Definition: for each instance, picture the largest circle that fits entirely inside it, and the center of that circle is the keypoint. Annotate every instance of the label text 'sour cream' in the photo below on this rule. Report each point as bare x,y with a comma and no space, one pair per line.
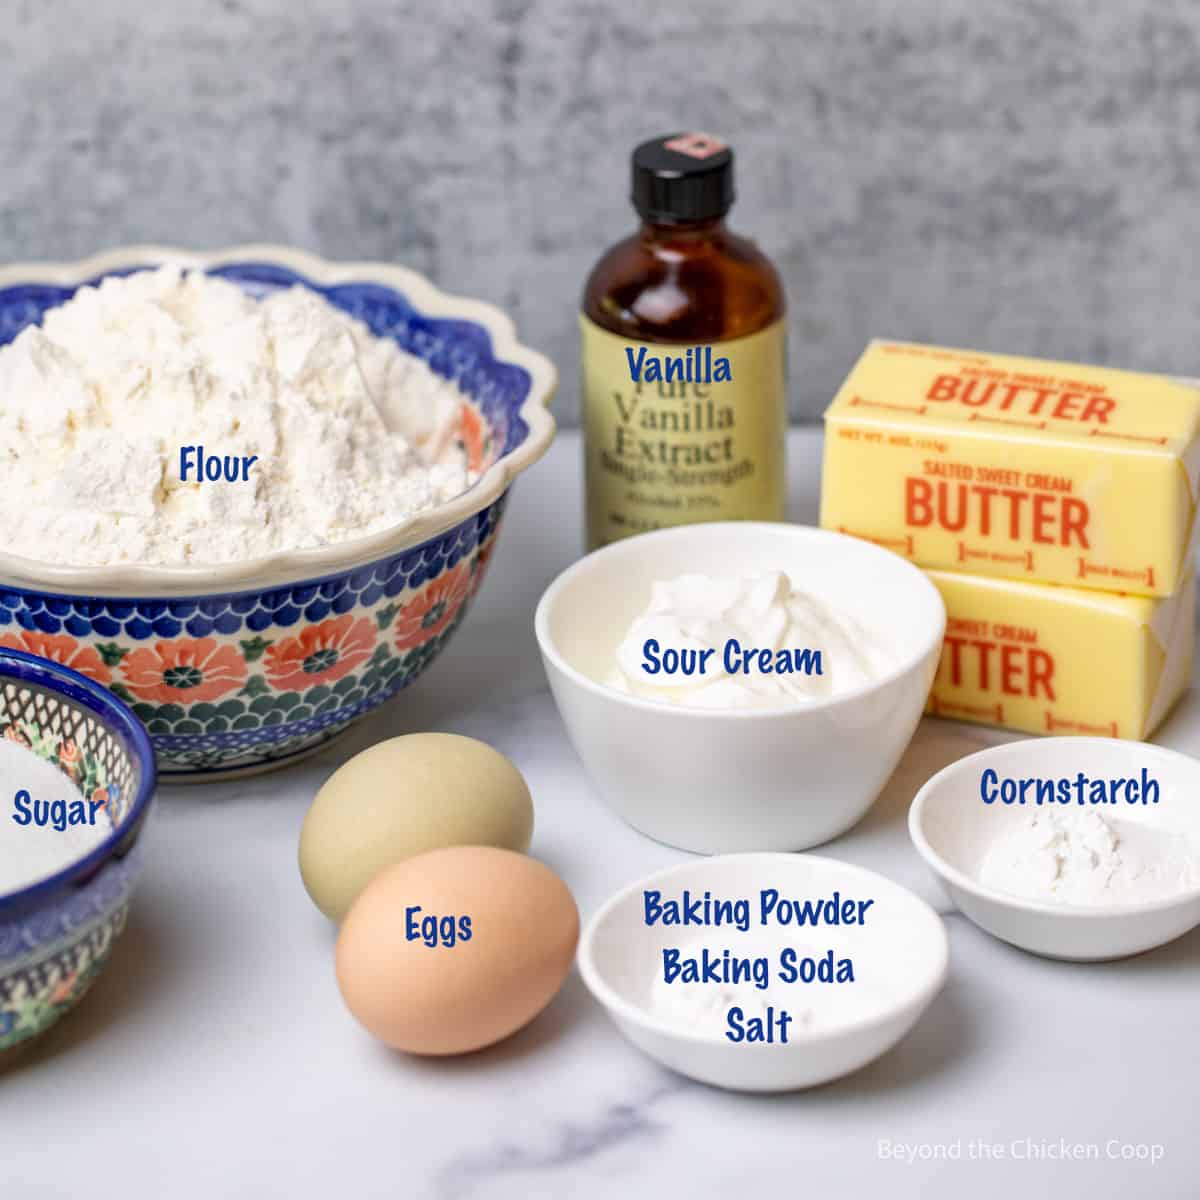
749,641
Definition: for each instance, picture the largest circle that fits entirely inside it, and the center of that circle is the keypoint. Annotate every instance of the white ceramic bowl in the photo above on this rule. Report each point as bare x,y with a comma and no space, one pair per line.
766,779
900,956
952,830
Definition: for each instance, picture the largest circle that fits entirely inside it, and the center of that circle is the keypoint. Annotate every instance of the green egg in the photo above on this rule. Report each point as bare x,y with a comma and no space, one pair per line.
403,797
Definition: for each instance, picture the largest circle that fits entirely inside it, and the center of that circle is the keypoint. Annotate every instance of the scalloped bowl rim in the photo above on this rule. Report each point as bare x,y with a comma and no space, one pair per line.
290,566
112,711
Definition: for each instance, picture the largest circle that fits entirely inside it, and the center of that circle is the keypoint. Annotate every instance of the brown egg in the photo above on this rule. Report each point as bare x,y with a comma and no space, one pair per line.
456,948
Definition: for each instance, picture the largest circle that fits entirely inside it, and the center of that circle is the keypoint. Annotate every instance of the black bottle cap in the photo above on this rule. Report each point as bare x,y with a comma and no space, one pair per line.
683,177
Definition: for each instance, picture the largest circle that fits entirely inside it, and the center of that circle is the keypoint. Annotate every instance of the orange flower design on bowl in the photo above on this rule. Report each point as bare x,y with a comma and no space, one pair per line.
13,733
62,990
473,434
69,757
60,648
321,653
432,610
183,671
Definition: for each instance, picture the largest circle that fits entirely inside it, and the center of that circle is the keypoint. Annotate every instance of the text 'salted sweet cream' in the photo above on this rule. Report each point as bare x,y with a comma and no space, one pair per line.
1018,467
1060,660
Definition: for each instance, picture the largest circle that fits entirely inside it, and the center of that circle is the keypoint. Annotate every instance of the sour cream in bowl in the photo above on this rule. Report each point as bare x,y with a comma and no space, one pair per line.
744,641
740,686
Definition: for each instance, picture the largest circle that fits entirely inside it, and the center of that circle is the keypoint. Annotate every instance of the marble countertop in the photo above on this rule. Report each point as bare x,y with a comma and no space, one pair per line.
215,1058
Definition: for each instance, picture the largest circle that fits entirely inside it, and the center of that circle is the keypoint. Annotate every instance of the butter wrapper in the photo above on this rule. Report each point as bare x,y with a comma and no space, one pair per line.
1057,660
1016,467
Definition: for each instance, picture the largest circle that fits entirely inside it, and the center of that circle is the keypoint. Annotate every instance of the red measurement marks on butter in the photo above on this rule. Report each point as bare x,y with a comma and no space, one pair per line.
1088,570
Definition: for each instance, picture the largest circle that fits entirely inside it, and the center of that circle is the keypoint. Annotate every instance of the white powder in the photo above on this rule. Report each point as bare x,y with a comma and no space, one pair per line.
352,433
1077,856
704,1007
30,852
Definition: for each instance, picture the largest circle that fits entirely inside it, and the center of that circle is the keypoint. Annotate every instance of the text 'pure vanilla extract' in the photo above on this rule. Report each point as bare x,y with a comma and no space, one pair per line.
684,373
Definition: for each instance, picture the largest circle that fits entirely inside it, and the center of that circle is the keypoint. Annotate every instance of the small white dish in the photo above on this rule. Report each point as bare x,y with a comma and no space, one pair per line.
707,780
953,829
900,955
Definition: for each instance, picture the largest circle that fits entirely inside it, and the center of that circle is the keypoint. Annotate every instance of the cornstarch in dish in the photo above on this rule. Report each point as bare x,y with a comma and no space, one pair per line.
341,433
31,852
1076,856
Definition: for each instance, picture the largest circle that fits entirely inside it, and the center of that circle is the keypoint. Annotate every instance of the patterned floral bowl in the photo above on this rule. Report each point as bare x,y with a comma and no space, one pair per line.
56,934
246,666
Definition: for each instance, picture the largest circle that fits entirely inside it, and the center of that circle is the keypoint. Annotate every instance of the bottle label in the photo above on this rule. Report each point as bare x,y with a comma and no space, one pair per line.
677,434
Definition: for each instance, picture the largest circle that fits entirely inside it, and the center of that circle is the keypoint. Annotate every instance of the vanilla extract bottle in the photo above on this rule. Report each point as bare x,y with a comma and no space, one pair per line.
683,354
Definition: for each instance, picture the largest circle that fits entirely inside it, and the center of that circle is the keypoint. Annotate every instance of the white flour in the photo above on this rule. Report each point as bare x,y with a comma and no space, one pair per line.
352,433
30,852
1076,856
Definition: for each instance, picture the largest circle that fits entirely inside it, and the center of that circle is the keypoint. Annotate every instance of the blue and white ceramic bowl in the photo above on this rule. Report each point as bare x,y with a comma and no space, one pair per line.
56,934
246,666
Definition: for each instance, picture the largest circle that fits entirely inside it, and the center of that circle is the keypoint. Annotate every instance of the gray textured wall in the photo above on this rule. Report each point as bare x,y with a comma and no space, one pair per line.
1009,174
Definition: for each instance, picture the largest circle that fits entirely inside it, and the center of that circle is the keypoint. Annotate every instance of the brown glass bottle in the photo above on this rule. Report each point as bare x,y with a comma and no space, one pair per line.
689,293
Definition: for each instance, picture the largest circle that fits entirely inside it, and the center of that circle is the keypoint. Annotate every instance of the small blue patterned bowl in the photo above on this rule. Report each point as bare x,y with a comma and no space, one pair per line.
56,934
246,666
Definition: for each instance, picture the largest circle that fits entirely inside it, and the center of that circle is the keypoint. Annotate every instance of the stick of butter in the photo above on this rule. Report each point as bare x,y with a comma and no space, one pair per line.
1018,467
1050,659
